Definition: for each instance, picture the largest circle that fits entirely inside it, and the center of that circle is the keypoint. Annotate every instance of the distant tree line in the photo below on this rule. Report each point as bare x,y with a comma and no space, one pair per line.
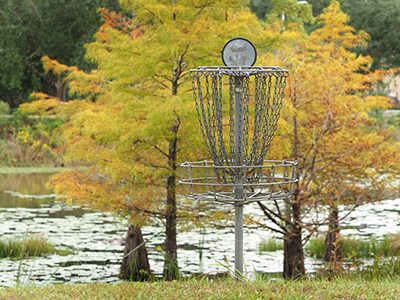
31,29
379,18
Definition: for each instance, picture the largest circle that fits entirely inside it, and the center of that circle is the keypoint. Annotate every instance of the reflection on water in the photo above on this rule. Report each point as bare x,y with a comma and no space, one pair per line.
29,191
28,186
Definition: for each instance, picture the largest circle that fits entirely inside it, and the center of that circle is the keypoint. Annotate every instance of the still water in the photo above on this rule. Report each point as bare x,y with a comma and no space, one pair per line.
28,208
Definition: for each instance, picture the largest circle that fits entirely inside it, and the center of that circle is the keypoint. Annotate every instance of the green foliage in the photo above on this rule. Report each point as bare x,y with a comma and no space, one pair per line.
261,8
286,11
4,108
270,245
353,248
27,246
380,20
319,5
316,247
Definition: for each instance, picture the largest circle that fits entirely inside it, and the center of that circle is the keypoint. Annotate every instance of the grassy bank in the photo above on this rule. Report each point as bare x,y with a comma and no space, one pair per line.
29,170
26,247
354,248
218,289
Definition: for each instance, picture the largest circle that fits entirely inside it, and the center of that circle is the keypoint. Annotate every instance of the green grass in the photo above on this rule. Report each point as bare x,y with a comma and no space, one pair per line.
379,281
353,248
216,289
270,245
26,247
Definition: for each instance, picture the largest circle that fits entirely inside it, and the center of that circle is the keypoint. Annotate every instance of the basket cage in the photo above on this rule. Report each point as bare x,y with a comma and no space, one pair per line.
203,181
238,109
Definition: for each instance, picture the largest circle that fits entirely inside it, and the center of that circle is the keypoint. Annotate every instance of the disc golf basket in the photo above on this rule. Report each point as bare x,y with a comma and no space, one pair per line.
238,124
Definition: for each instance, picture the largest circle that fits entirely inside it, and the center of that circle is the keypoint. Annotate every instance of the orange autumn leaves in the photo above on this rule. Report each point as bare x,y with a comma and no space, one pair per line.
120,22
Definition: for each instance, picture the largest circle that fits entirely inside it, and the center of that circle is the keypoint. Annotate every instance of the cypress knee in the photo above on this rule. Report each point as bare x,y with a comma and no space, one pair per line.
135,264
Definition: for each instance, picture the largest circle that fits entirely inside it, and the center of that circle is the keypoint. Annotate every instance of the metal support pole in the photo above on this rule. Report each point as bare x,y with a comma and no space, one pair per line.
238,241
239,177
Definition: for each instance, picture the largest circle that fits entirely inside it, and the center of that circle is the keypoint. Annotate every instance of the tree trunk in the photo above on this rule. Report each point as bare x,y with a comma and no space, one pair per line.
333,251
171,270
135,264
293,263
61,88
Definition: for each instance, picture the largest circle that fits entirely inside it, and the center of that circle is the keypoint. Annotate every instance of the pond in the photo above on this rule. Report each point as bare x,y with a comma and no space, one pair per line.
28,208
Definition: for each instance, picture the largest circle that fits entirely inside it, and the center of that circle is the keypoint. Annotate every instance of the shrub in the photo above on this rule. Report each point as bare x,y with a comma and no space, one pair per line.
29,141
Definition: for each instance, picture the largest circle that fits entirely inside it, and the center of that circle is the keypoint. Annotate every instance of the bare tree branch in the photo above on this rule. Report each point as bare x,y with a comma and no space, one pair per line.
155,16
268,214
201,10
161,151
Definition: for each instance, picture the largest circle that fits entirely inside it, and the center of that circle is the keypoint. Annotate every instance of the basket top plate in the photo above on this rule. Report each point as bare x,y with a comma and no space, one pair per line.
239,52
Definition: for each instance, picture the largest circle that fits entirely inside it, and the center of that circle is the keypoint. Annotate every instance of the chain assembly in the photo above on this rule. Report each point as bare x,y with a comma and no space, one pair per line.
256,126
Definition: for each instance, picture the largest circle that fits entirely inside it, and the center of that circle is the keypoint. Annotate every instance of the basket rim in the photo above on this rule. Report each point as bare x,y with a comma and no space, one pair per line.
239,70
211,164
226,199
274,185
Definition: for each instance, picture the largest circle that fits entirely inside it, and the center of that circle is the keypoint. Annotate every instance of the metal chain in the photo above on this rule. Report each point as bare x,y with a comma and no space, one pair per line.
269,116
246,112
217,87
214,94
210,129
240,121
222,151
258,105
264,115
201,113
268,99
198,87
275,108
231,119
